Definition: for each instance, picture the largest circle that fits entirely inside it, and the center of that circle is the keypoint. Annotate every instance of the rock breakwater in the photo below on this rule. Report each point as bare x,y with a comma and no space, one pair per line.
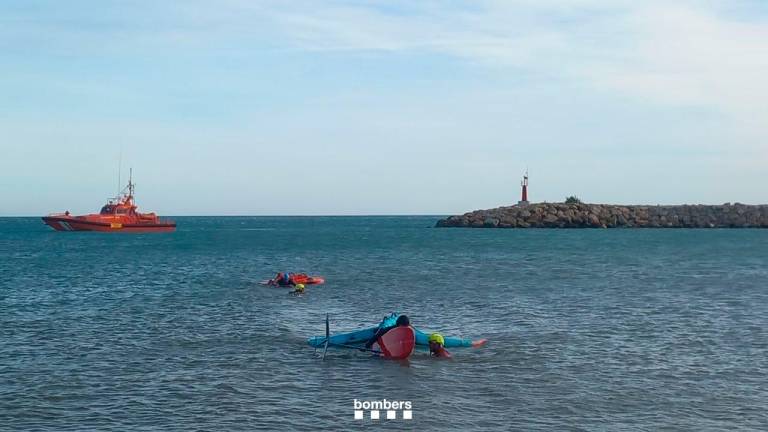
560,215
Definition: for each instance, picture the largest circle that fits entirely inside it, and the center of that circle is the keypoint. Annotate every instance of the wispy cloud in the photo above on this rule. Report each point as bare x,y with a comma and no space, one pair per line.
687,53
712,54
649,91
707,54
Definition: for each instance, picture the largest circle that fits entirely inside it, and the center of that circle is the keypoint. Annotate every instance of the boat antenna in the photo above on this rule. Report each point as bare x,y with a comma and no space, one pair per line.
119,173
130,183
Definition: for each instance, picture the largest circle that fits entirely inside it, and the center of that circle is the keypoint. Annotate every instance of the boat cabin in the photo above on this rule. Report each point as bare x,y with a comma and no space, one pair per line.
116,209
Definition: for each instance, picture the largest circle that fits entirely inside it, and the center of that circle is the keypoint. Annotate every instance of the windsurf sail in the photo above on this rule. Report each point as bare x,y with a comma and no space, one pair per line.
398,343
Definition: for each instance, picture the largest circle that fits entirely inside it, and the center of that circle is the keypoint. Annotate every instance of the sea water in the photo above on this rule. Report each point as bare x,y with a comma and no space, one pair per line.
587,329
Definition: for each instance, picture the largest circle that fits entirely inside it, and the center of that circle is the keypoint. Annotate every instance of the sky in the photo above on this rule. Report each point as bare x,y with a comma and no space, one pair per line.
247,107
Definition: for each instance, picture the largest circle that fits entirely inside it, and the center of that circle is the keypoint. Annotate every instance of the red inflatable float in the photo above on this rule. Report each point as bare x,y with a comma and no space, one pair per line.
297,278
307,280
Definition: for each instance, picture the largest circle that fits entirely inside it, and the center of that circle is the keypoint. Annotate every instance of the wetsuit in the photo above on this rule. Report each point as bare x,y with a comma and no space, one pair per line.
440,352
402,320
286,279
379,333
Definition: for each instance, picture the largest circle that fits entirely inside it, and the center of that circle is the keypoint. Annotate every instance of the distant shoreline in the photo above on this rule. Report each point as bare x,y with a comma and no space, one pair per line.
580,215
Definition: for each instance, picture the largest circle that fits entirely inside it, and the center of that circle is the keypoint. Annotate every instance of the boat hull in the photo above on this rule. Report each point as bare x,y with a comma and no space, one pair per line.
69,223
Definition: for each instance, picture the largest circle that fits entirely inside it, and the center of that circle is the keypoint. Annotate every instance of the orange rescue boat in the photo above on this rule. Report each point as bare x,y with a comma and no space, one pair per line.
118,215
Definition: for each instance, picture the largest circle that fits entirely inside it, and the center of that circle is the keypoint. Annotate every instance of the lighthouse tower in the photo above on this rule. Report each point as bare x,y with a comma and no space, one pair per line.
524,184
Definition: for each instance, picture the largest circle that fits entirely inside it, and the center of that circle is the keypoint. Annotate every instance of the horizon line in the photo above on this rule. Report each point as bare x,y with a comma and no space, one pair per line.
270,215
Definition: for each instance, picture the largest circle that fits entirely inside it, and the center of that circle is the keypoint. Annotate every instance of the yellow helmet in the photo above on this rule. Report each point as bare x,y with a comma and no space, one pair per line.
300,287
437,338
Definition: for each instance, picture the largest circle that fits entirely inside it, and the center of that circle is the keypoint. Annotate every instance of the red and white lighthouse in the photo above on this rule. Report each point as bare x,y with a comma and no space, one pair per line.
524,184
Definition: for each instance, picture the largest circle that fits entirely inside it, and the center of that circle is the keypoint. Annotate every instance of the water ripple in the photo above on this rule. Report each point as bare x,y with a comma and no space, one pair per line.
588,329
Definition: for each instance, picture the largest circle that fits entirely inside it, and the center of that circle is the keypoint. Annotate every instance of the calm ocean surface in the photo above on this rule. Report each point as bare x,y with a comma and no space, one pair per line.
588,329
